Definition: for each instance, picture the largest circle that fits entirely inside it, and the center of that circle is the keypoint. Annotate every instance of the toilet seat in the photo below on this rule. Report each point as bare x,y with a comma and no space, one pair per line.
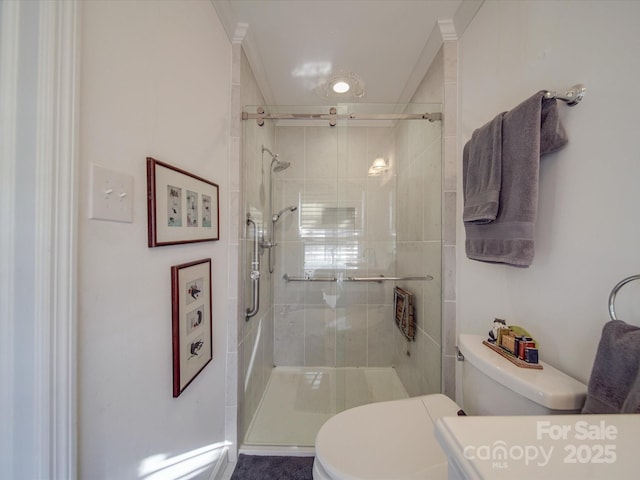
387,440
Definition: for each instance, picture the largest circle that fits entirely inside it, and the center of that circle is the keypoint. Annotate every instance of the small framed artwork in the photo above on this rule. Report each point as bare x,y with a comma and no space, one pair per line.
192,331
181,207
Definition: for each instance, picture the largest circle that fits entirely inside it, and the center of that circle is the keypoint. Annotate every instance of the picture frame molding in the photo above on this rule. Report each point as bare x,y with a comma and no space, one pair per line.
160,231
185,334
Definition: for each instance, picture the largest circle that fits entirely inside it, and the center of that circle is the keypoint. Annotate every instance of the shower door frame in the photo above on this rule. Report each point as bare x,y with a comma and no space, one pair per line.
402,351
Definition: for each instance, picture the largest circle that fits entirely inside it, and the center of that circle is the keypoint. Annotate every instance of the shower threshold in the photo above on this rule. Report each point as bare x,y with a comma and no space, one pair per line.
298,400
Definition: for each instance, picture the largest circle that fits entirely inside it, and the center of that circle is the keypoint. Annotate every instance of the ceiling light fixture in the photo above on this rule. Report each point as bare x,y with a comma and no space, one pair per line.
340,86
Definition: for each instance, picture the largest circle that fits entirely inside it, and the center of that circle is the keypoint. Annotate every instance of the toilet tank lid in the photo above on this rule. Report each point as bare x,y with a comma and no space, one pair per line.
548,387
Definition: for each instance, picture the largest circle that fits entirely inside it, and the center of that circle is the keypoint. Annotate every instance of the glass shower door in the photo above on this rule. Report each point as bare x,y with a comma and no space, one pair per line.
359,201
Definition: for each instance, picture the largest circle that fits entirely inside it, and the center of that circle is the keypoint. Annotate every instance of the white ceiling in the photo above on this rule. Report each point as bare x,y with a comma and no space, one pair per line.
295,46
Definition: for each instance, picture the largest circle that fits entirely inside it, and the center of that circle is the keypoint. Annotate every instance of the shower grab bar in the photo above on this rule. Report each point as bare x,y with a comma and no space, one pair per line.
614,292
380,279
288,278
255,271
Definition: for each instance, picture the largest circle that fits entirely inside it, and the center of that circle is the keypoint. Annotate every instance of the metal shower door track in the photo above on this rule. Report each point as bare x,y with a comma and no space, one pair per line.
332,117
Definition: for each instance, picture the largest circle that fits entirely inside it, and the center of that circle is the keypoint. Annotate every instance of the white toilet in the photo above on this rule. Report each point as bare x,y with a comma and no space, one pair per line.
395,440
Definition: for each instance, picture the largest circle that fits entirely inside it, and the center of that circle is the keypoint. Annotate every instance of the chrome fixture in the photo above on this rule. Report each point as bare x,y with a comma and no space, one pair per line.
309,278
277,216
275,166
571,97
260,116
255,270
275,158
614,292
274,220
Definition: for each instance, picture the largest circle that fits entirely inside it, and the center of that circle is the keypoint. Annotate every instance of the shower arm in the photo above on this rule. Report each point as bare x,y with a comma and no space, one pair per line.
273,155
267,240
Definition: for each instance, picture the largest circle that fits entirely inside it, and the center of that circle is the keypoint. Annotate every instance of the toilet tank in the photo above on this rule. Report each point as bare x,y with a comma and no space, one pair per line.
492,385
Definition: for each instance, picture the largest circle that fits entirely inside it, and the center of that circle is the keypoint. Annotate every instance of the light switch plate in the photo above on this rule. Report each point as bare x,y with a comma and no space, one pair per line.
111,195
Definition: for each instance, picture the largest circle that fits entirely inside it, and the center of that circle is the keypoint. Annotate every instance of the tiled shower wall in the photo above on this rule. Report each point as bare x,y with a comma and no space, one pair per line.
344,225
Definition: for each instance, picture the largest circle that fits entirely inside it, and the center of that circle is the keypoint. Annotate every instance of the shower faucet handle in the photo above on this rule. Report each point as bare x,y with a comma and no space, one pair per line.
255,274
268,244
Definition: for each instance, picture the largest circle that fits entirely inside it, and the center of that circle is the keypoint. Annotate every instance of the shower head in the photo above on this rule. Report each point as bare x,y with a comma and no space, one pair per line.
277,216
280,165
277,165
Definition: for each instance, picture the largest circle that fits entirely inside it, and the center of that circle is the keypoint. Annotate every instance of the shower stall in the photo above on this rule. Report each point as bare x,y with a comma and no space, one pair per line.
342,205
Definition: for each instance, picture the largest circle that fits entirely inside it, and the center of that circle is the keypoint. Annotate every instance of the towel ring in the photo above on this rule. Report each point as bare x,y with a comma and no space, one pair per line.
614,292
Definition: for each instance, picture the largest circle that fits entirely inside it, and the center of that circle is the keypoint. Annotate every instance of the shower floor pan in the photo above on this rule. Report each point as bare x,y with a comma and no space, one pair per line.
297,401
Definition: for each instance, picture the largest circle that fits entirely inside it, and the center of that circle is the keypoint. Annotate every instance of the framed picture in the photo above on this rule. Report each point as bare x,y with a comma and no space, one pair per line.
192,331
181,207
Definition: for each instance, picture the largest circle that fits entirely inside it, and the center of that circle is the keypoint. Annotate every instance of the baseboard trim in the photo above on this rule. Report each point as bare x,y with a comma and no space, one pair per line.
220,466
277,451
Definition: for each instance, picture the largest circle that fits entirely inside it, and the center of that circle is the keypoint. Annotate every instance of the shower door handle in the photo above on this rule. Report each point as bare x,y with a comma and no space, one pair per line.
255,271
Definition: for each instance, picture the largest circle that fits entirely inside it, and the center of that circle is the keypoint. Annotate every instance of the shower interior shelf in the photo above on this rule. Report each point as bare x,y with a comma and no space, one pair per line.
379,279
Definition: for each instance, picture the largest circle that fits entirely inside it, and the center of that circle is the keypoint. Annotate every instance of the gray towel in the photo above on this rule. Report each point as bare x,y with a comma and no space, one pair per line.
482,172
614,386
530,130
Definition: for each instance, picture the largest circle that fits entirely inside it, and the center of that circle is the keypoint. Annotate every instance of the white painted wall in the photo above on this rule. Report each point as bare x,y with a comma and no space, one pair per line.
155,81
588,232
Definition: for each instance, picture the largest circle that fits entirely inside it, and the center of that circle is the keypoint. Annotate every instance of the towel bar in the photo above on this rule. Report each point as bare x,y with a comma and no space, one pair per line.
572,96
614,292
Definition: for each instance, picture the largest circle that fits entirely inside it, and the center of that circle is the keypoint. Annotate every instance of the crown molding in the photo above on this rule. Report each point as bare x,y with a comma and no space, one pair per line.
226,17
464,15
429,52
250,48
240,32
447,30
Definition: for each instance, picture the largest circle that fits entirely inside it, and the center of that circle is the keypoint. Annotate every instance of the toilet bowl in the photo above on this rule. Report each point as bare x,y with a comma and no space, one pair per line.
395,440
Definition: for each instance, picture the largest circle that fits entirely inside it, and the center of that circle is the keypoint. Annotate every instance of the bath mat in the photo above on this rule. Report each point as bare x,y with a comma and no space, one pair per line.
258,467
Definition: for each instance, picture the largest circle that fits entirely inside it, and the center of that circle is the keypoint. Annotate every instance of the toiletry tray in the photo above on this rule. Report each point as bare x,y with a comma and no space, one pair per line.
512,358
